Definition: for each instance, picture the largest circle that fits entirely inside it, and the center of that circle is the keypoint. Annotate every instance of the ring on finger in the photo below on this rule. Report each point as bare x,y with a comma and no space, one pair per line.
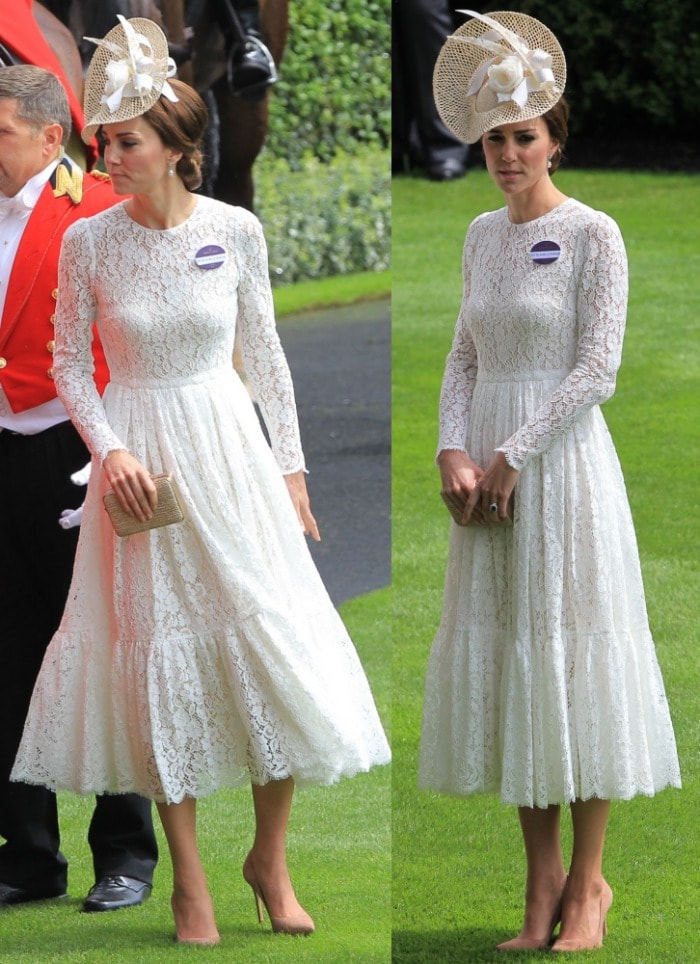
493,507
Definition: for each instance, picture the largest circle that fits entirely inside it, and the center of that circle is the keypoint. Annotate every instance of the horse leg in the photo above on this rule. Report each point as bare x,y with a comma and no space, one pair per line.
243,126
275,25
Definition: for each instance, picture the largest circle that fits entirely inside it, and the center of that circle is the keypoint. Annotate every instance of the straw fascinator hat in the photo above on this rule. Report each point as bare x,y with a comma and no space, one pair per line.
496,69
127,74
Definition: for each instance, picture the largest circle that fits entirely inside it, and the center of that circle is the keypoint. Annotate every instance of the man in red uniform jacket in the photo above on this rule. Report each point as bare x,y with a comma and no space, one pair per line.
41,194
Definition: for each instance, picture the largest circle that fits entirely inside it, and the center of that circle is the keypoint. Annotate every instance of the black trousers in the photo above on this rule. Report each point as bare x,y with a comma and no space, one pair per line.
36,563
419,29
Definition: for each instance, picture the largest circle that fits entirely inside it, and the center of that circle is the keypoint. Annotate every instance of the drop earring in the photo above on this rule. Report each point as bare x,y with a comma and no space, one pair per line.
171,169
549,163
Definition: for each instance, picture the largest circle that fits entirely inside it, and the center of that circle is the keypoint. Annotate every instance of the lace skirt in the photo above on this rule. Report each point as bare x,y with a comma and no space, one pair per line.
543,683
202,654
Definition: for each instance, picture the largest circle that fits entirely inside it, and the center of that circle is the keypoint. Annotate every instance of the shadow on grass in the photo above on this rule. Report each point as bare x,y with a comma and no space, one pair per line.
112,937
136,934
468,945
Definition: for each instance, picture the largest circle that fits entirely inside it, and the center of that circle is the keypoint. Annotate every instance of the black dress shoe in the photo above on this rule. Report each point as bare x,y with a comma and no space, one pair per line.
447,170
17,895
114,892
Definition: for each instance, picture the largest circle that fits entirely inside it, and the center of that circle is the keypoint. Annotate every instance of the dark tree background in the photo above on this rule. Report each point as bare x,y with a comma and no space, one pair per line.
633,78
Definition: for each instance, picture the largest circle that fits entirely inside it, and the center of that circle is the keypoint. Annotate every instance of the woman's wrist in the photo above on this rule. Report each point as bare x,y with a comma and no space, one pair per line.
114,452
449,453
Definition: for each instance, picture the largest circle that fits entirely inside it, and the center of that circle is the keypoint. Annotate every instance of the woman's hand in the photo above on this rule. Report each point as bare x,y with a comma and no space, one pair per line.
131,483
460,476
495,487
296,483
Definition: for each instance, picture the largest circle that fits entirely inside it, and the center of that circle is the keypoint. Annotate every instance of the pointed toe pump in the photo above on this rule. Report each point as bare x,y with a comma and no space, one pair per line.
594,941
299,924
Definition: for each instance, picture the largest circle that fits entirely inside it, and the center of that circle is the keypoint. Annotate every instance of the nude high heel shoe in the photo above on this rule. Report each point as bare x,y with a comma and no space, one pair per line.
532,943
596,940
201,941
520,943
299,924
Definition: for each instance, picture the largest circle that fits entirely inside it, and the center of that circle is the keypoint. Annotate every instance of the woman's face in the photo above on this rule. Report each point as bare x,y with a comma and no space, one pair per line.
135,157
517,154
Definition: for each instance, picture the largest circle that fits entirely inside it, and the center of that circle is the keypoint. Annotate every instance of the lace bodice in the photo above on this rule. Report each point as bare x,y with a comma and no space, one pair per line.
520,320
165,320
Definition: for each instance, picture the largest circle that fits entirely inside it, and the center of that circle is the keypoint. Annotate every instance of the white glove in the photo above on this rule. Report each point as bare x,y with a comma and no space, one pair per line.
82,476
70,518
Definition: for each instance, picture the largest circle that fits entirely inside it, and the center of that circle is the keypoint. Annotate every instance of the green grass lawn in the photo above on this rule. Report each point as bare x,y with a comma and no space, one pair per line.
458,864
333,292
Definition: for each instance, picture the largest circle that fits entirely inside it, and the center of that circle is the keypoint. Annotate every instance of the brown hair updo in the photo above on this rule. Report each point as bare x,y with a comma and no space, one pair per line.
181,125
557,121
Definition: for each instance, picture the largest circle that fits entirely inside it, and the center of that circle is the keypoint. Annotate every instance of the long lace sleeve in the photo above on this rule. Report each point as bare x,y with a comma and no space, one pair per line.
263,356
601,314
459,377
73,361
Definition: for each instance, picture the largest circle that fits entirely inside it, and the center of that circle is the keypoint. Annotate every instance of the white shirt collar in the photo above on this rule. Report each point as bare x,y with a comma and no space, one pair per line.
27,196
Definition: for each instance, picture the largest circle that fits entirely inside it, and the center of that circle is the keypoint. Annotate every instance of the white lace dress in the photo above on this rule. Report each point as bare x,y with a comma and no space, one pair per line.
205,653
543,683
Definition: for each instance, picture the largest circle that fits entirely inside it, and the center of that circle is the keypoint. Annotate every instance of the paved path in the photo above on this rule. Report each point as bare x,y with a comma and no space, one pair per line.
340,362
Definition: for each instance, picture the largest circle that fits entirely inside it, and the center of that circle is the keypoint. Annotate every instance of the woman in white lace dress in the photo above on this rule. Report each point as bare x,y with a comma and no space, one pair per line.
205,653
543,683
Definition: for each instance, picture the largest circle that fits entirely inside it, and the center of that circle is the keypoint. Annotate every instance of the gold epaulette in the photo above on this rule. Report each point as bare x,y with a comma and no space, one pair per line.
68,180
101,175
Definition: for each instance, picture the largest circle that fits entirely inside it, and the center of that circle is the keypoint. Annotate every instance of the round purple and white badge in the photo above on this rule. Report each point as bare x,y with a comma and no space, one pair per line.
545,252
210,256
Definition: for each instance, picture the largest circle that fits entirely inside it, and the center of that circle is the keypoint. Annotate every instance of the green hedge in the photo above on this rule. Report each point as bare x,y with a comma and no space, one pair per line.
333,91
325,218
322,184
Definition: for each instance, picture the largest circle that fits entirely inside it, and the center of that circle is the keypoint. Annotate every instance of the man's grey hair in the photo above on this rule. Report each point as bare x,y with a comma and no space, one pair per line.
40,95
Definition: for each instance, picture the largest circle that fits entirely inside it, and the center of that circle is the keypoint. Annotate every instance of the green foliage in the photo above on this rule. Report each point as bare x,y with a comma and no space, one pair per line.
633,65
325,218
322,184
333,92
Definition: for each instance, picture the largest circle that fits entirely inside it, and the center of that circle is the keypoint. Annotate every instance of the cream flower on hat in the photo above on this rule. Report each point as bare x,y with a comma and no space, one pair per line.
497,69
128,72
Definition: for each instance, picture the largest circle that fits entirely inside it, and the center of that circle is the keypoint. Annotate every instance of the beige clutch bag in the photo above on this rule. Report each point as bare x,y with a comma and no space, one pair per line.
456,509
168,510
